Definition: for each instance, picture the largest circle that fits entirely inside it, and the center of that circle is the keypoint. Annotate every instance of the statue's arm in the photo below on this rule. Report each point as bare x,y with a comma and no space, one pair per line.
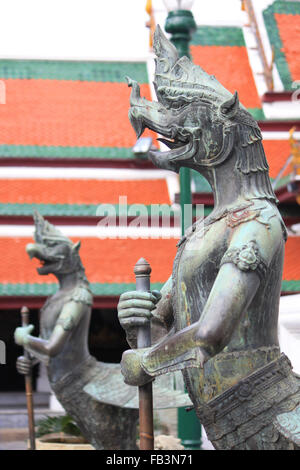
192,346
163,313
67,321
242,268
230,296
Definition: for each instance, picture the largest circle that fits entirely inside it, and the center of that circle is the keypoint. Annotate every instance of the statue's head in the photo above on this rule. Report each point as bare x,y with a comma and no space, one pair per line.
197,117
58,254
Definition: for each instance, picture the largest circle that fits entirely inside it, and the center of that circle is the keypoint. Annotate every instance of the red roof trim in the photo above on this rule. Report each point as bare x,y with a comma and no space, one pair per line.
271,97
12,303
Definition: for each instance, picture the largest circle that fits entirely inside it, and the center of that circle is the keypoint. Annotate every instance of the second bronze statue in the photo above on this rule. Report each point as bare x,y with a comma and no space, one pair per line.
63,345
92,392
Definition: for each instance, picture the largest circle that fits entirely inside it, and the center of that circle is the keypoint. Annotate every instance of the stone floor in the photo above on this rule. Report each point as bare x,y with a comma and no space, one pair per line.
16,438
13,438
14,421
166,421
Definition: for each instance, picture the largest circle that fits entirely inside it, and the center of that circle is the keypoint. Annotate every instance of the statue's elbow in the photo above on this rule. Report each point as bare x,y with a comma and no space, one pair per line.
210,339
53,350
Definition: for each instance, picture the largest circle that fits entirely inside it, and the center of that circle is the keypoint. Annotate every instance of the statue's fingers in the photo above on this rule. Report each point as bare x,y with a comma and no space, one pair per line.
23,365
135,313
136,322
136,303
23,370
30,328
157,295
17,336
137,295
23,360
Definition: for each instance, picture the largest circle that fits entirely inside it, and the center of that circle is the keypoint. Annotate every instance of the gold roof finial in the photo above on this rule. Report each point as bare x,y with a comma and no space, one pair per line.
295,151
151,23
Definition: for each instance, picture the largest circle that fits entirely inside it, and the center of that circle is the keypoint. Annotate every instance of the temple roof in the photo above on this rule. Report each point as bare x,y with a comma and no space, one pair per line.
282,20
64,108
71,110
221,51
77,197
109,265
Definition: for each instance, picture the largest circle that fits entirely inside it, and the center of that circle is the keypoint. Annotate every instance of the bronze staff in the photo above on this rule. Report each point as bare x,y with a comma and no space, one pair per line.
142,272
28,386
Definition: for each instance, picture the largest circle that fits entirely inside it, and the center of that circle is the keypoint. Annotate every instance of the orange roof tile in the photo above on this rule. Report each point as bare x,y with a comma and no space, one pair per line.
106,261
67,113
230,65
289,31
76,191
291,269
277,152
112,261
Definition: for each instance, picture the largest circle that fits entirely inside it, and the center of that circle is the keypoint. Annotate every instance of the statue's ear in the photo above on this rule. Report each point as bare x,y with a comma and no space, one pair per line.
76,246
229,108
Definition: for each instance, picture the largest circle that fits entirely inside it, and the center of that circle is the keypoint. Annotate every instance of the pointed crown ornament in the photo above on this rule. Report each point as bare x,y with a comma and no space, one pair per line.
178,81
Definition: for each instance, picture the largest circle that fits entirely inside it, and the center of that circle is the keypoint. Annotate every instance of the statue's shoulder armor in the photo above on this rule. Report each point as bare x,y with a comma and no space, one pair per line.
70,318
82,294
246,257
262,212
255,242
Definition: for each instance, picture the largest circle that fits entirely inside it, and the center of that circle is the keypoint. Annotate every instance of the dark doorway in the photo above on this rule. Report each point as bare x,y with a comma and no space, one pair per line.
107,340
10,379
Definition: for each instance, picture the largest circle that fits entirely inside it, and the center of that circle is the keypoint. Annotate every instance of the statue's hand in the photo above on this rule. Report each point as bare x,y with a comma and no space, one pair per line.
135,308
131,368
24,365
22,333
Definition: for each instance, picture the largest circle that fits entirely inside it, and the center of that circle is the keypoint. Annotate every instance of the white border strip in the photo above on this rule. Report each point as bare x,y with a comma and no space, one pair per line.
275,135
13,172
25,231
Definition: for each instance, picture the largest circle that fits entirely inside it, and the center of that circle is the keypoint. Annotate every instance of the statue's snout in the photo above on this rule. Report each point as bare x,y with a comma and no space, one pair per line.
34,250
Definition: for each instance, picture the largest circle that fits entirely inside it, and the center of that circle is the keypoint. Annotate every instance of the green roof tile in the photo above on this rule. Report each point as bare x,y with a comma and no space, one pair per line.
290,286
287,8
257,113
201,184
72,210
49,289
218,36
98,289
90,71
38,151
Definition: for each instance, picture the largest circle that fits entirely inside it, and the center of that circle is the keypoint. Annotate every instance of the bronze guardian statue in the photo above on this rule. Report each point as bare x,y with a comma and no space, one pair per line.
221,303
63,345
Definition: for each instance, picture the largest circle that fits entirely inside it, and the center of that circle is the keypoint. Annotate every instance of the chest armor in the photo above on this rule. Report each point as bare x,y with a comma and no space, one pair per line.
196,267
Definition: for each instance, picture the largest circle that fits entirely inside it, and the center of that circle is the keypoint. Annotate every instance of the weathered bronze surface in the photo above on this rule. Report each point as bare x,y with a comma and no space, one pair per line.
92,392
221,302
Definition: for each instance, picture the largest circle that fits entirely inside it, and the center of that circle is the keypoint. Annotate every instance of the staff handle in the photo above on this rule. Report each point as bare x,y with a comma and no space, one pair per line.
28,386
142,272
